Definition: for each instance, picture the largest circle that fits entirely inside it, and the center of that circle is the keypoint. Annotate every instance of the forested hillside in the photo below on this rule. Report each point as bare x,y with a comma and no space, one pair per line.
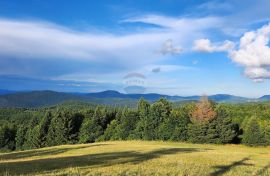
73,122
34,99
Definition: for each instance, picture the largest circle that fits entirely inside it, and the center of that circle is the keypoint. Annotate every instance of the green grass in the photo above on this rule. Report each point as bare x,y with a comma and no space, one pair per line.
139,158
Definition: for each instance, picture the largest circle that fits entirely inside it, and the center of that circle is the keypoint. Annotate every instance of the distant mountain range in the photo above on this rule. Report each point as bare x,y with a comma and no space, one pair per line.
110,97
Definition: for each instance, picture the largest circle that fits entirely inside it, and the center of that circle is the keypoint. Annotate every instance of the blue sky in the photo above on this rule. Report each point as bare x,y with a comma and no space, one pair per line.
185,47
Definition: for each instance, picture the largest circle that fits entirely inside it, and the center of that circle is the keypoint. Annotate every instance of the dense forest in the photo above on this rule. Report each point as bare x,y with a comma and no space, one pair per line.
197,122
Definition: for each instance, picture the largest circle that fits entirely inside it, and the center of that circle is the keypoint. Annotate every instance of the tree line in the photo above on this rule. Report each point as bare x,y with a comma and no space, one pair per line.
200,122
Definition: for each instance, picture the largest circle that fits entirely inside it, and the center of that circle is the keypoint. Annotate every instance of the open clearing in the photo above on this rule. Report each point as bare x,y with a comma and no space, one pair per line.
138,158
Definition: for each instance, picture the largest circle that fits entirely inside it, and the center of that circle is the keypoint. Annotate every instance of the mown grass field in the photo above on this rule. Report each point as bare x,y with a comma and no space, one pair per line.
138,158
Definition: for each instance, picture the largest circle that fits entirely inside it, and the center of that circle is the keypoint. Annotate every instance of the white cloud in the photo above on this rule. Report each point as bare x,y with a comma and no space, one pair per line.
253,53
205,45
179,24
33,40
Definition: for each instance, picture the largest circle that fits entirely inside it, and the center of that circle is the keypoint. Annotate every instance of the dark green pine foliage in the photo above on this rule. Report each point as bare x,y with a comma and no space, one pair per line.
159,111
7,136
220,130
21,137
32,140
100,116
90,131
110,132
44,128
127,124
252,133
197,132
179,120
64,128
143,112
227,130
57,133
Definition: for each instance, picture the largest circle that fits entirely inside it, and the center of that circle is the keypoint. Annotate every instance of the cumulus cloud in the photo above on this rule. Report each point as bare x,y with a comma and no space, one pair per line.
253,54
205,45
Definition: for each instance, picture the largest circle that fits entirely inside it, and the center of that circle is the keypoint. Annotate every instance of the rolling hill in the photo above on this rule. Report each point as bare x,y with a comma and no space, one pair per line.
110,97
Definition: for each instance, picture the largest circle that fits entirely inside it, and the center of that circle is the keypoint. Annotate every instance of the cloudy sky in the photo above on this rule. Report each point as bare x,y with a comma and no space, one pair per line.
185,47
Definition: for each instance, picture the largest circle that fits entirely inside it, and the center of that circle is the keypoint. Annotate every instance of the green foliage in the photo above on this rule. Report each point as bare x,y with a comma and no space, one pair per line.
64,128
82,123
252,134
32,141
21,137
7,136
43,129
89,131
159,111
220,130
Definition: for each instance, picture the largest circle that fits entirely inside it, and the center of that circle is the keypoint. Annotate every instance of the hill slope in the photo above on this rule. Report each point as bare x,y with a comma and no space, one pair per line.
138,158
110,97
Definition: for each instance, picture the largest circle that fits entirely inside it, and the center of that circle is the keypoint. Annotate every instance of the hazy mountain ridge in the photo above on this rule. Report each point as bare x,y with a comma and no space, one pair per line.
109,97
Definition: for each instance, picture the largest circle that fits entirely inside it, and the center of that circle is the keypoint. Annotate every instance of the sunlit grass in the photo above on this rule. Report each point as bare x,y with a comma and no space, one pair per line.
139,158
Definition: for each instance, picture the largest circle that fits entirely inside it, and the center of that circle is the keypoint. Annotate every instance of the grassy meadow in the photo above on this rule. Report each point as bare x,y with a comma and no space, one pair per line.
138,158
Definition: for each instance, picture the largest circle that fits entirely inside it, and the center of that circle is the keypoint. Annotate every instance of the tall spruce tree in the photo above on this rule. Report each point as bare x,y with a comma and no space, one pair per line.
21,137
90,131
252,133
31,135
44,128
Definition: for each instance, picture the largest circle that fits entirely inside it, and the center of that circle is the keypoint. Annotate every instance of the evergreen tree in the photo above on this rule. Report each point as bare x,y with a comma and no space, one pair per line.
21,137
7,136
180,120
44,128
127,124
110,132
57,133
159,111
252,133
141,126
197,132
31,135
90,131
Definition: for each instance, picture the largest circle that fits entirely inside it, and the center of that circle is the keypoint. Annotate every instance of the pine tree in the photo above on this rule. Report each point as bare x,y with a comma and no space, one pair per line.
252,133
58,132
31,135
21,137
90,131
7,136
44,128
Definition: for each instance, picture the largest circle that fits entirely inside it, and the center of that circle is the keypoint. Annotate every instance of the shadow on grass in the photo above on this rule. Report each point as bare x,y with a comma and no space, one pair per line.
41,152
263,170
92,160
223,169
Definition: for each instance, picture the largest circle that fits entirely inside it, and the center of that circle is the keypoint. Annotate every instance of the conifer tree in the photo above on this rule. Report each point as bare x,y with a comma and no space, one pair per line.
252,134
